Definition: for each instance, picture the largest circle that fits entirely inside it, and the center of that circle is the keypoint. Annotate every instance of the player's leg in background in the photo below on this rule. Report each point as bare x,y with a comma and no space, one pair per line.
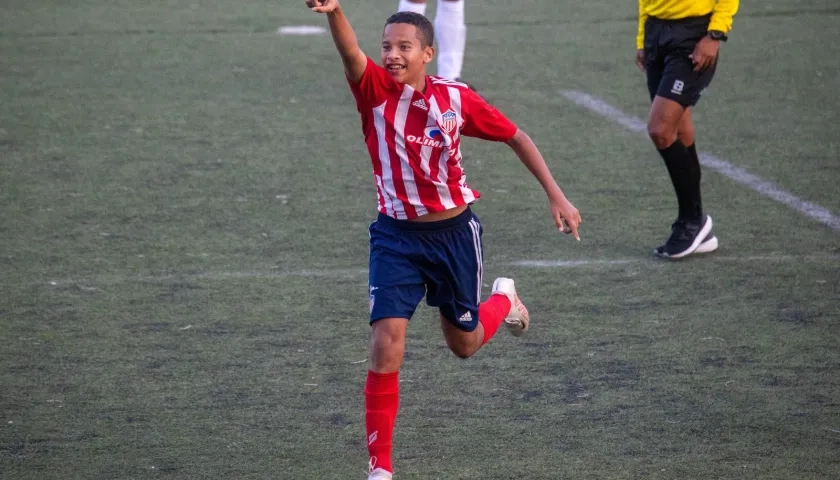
685,130
691,227
451,33
685,134
663,125
666,116
416,6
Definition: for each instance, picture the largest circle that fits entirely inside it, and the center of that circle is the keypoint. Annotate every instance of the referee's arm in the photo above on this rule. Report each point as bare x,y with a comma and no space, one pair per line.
722,15
640,36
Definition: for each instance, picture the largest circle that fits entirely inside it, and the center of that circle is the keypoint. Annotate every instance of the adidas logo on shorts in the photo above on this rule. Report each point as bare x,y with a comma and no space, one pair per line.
467,317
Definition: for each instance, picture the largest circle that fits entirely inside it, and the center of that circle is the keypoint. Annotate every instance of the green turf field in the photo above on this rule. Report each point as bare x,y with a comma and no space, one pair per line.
184,197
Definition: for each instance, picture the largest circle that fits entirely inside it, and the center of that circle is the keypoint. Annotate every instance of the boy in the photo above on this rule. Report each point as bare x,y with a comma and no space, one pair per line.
425,241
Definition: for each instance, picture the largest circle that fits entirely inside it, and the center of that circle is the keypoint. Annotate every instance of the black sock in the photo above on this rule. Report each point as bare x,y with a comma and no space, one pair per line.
695,179
684,169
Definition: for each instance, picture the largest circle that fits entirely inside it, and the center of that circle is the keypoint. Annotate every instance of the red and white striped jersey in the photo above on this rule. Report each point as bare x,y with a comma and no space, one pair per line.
414,140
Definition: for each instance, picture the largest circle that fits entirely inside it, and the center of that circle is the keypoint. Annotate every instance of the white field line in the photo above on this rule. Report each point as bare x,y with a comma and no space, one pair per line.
332,273
659,262
360,273
301,30
737,174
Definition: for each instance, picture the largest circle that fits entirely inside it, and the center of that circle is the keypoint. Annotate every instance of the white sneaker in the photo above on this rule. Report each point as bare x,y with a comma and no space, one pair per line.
517,320
710,244
380,474
686,237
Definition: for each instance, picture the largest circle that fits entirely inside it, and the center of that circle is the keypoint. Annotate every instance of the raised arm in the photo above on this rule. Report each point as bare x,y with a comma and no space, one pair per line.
352,56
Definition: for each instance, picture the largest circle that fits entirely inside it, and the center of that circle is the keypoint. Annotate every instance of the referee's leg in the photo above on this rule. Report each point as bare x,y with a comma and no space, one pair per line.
672,132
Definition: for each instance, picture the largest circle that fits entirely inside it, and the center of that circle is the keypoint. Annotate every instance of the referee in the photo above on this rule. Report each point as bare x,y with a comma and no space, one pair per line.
677,48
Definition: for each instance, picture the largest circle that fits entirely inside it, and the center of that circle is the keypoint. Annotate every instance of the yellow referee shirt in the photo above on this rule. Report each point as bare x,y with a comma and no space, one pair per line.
722,12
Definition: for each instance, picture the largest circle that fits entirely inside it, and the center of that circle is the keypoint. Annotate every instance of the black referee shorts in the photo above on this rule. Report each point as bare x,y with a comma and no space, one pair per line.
670,71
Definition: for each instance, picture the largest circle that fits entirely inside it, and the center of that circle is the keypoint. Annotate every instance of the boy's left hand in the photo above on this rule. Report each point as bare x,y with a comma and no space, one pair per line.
566,216
322,6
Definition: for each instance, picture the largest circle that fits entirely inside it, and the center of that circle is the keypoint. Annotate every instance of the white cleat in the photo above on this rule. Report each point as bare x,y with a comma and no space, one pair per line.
517,320
380,474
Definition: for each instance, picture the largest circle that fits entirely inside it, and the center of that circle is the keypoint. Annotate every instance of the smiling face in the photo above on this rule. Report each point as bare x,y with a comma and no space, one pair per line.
405,53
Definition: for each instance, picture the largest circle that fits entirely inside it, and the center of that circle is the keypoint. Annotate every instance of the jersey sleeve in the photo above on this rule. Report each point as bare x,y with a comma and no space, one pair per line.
373,87
722,15
482,120
640,32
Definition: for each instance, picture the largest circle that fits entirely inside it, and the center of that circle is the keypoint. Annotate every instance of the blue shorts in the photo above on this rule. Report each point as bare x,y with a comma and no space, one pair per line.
439,260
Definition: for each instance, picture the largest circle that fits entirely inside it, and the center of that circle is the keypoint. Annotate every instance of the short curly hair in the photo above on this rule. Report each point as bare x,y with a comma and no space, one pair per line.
425,30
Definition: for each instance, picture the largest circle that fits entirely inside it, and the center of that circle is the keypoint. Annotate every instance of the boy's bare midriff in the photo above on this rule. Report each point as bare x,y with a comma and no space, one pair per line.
437,216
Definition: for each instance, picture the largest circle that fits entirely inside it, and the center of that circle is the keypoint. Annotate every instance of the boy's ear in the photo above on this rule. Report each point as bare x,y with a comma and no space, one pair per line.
428,54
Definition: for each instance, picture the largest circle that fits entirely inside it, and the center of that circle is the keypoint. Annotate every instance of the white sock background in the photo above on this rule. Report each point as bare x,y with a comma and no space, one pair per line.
451,33
406,6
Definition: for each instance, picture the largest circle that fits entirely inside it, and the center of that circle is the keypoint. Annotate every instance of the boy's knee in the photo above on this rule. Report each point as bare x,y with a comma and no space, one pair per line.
387,344
385,337
463,351
386,356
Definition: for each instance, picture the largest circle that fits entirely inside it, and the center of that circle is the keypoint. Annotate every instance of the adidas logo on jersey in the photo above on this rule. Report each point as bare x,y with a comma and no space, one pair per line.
421,104
467,317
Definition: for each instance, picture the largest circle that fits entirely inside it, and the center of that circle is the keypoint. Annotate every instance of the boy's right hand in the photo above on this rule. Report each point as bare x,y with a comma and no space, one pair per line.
566,216
322,6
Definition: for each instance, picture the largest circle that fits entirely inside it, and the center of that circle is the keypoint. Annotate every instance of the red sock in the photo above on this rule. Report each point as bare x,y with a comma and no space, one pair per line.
382,399
491,314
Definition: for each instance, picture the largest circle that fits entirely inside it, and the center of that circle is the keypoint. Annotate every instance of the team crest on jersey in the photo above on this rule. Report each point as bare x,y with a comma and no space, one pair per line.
440,132
449,121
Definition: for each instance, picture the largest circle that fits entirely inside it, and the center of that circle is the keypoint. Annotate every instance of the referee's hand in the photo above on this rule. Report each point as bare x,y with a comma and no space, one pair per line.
705,53
640,60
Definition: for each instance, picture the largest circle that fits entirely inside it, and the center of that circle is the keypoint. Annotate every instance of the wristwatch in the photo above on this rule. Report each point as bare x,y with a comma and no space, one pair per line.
718,35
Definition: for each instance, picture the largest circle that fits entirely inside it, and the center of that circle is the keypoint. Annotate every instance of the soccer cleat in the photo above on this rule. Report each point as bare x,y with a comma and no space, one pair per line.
686,237
517,320
380,474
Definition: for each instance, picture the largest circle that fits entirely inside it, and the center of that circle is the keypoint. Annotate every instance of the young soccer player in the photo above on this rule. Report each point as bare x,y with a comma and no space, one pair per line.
451,32
677,47
426,241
